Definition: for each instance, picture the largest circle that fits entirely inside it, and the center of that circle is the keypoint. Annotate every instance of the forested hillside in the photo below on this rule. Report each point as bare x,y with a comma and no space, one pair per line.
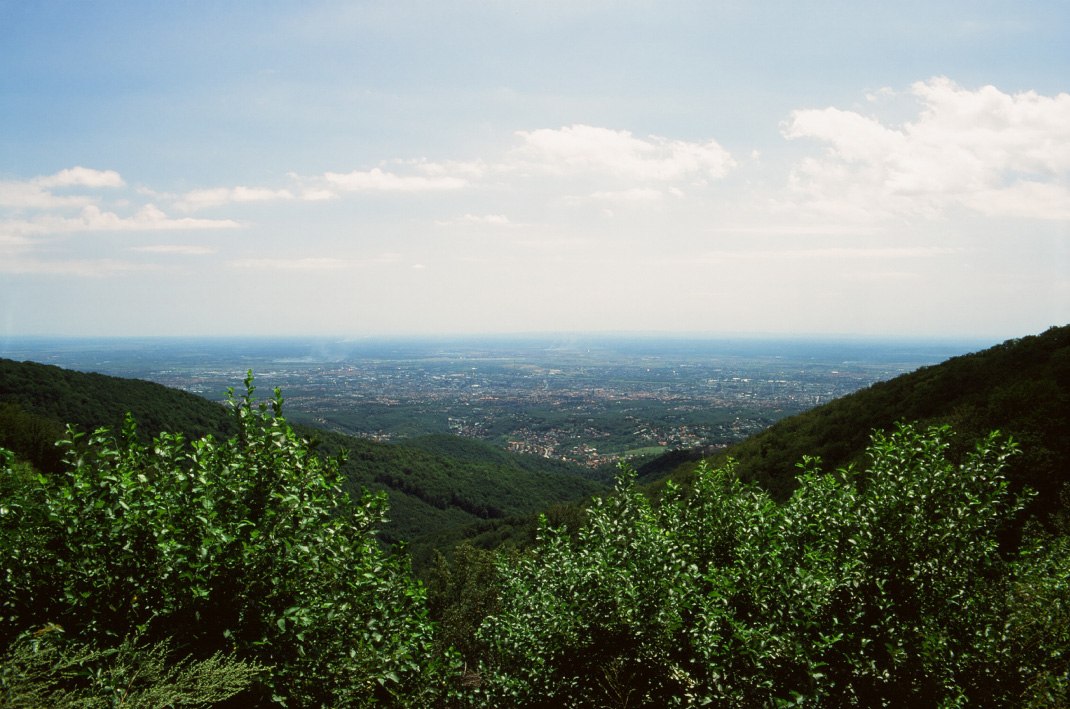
188,572
433,485
1021,387
431,491
35,398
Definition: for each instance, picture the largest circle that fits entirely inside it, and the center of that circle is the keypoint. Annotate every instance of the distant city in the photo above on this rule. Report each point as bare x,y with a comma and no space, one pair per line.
590,401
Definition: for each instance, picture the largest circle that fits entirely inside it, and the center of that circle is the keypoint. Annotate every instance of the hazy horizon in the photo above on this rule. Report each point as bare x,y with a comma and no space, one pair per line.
463,169
535,336
77,352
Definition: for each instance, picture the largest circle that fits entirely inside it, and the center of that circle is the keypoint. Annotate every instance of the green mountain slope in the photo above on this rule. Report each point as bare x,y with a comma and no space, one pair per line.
436,486
89,400
1021,387
432,484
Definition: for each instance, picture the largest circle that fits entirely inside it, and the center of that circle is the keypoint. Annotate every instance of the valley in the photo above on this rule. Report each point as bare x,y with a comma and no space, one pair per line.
589,401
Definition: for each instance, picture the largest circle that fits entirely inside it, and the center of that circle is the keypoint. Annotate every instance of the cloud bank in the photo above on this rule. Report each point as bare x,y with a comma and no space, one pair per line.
982,152
997,154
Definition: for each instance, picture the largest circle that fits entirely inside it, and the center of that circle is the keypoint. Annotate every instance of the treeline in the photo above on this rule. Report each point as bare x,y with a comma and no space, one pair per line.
195,572
88,400
434,485
878,586
1021,387
187,572
247,567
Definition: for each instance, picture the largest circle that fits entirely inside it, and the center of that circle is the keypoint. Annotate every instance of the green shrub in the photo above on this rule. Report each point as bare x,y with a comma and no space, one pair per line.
867,588
246,546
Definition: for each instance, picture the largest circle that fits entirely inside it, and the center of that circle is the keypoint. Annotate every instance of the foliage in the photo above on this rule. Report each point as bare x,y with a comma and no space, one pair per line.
247,545
867,588
433,487
1021,387
41,669
31,437
88,400
433,484
462,592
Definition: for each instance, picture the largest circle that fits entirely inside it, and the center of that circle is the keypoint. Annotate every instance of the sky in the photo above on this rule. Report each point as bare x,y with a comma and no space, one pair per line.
358,169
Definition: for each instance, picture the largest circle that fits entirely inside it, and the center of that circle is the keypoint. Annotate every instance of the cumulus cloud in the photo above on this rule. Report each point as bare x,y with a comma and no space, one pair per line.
30,195
1024,199
148,218
215,197
462,169
81,177
614,163
33,211
587,149
992,152
36,193
92,218
378,180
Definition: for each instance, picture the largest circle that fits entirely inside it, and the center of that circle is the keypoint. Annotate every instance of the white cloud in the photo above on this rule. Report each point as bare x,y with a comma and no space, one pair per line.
616,165
151,218
632,196
36,193
774,229
834,254
499,220
1023,199
378,180
314,263
988,151
215,197
88,268
177,249
29,195
582,149
464,169
12,240
317,194
92,218
81,177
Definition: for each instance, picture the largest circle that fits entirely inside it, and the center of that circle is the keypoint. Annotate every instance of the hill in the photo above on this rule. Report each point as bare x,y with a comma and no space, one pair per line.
1020,387
38,400
88,400
432,484
432,491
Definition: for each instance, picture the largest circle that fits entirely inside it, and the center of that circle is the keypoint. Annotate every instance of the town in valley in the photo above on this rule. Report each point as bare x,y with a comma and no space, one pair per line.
591,401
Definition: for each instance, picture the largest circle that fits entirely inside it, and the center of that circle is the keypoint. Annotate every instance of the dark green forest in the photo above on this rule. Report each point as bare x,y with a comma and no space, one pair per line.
433,485
1021,387
904,546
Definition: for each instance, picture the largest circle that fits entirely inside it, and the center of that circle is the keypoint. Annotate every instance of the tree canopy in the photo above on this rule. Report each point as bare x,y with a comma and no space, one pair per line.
247,546
185,572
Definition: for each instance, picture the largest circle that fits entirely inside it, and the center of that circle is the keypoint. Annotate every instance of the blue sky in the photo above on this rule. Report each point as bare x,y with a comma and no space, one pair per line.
379,168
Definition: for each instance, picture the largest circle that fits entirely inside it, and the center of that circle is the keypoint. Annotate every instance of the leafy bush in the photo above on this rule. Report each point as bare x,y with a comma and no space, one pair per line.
247,545
867,588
